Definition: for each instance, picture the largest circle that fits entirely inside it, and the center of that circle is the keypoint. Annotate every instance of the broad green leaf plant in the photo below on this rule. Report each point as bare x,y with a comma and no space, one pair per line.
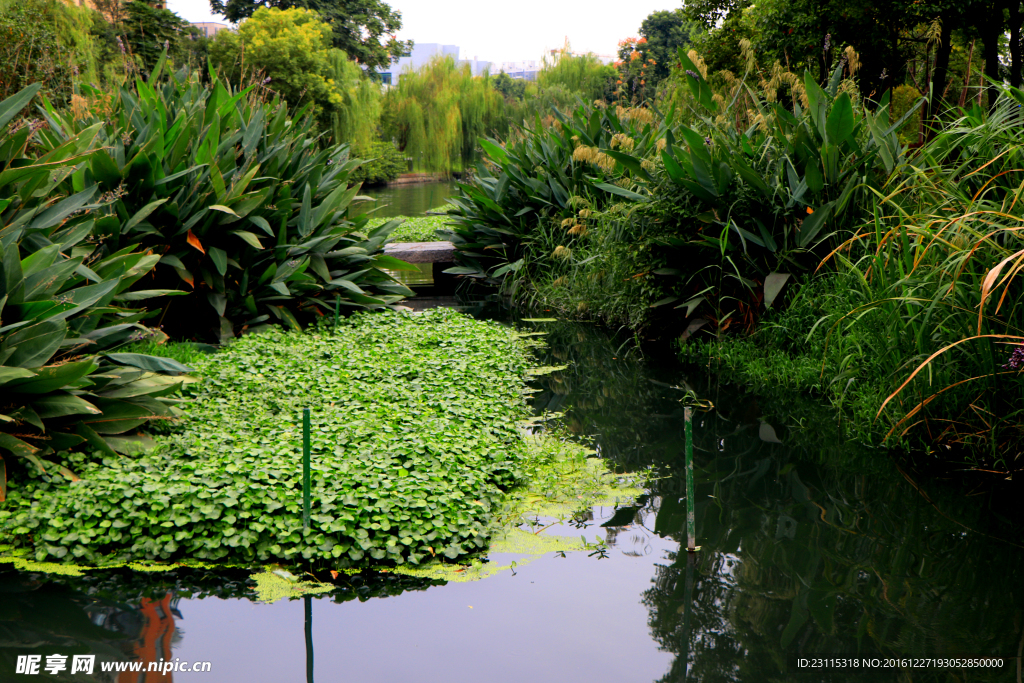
63,307
249,219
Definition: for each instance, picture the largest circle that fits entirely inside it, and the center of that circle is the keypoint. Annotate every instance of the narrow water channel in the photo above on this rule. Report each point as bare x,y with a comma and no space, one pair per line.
810,546
409,200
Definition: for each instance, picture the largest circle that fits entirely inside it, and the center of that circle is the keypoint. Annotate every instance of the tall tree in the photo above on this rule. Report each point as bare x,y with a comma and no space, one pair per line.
291,48
666,31
363,29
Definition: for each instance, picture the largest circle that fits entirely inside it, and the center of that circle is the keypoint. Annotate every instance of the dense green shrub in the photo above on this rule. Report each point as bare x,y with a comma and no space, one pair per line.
64,305
913,339
533,199
717,215
31,52
249,217
415,433
383,163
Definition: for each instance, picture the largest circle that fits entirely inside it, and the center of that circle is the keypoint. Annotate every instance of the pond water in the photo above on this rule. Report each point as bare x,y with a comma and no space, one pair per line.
810,546
411,199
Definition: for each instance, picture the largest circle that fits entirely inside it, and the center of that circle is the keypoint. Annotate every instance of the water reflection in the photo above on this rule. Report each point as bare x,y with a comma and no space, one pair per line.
810,543
409,200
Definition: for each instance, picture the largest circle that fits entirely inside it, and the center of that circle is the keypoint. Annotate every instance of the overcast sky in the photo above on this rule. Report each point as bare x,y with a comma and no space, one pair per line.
504,31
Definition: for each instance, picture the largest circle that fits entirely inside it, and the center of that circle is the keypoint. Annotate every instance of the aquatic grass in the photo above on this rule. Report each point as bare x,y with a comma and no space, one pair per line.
413,228
415,438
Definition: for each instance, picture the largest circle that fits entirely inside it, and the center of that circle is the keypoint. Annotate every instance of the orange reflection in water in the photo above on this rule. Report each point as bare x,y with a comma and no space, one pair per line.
154,643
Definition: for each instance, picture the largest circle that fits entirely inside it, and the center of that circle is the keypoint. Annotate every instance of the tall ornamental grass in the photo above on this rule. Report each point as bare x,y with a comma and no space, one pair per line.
939,267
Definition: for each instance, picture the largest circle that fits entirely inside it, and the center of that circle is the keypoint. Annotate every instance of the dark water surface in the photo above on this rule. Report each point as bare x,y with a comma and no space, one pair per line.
411,199
810,545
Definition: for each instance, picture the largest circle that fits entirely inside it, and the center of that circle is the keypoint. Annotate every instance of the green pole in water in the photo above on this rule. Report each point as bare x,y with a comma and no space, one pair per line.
691,524
305,468
309,639
337,310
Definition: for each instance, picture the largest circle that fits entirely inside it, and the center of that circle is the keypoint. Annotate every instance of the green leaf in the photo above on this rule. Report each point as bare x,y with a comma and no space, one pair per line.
840,120
392,263
223,209
773,285
150,363
142,214
34,345
262,224
49,378
60,405
142,294
615,189
13,105
250,238
219,258
812,225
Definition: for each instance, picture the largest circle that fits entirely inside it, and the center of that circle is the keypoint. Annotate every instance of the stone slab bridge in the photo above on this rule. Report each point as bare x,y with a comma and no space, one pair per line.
435,255
422,252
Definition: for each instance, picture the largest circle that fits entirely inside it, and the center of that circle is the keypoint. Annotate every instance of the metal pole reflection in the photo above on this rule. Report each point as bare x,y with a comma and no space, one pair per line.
309,638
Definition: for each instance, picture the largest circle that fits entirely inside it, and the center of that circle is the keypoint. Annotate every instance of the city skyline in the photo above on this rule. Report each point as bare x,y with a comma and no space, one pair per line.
520,37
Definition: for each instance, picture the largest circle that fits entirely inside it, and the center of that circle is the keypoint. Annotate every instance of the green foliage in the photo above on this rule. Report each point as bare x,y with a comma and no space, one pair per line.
383,163
186,353
292,48
912,340
904,97
665,32
584,75
354,120
527,206
148,31
362,29
33,49
601,279
405,465
720,213
514,89
61,386
249,219
773,198
437,114
414,229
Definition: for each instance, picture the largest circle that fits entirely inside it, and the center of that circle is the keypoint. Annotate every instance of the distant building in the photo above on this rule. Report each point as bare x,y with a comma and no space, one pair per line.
210,28
476,67
523,70
421,54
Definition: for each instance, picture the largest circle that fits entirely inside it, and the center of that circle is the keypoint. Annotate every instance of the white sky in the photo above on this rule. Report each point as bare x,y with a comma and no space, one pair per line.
504,31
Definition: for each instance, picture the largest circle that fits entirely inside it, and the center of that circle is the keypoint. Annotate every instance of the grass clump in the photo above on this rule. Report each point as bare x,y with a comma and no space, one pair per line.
187,353
415,436
810,348
413,228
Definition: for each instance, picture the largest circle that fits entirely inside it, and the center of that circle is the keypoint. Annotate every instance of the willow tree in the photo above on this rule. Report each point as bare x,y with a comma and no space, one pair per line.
436,114
584,75
354,119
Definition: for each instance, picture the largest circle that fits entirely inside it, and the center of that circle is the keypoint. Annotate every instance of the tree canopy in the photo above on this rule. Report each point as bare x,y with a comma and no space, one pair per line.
289,48
666,31
362,29
811,34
